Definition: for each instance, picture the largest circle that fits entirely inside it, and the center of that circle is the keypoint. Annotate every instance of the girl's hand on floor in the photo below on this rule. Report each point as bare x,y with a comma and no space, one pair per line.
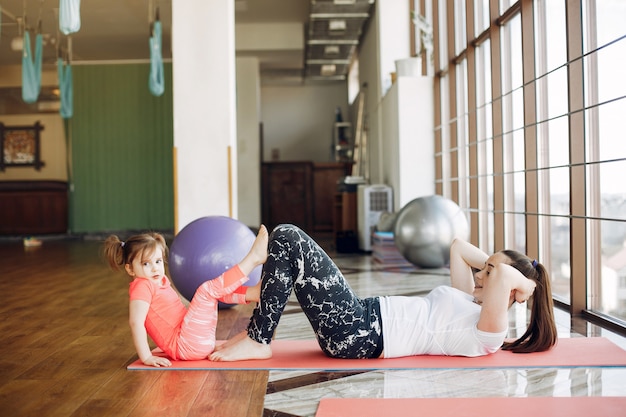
157,361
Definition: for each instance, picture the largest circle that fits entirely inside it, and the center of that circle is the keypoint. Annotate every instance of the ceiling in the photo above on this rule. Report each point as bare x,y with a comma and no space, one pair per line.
113,30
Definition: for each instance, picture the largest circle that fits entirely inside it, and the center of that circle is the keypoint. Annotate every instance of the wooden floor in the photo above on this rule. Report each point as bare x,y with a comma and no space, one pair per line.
66,344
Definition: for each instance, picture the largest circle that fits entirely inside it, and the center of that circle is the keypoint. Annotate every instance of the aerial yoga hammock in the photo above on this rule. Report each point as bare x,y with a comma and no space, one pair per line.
69,16
156,83
31,70
65,85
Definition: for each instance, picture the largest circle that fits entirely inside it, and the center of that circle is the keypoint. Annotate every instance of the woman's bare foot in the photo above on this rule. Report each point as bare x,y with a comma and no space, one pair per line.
243,349
231,341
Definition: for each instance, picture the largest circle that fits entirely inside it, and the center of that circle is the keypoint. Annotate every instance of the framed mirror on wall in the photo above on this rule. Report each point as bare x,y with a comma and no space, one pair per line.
20,146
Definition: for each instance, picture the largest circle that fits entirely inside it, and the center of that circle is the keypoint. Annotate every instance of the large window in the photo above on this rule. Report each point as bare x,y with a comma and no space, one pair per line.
513,133
484,144
530,138
604,49
552,142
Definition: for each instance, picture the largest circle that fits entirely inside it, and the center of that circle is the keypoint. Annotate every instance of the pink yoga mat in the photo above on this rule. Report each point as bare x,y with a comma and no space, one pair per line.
306,354
473,407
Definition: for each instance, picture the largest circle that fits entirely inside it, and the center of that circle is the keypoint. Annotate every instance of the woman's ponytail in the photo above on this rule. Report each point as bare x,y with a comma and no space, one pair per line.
541,333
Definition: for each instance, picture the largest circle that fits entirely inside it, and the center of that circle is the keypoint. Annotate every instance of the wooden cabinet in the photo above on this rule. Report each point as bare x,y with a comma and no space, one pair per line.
287,194
33,207
325,178
301,193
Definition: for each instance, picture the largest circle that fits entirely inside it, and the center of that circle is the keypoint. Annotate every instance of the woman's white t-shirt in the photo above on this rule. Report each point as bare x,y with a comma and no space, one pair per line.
441,323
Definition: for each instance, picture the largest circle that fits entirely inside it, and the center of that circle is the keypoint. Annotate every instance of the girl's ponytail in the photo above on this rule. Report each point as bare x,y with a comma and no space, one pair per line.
113,251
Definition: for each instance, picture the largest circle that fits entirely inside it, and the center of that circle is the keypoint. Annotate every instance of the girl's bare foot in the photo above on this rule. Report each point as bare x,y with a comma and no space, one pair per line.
258,252
243,349
259,247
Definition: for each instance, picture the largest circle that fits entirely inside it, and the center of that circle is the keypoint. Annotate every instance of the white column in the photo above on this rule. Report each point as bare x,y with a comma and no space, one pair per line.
203,66
248,140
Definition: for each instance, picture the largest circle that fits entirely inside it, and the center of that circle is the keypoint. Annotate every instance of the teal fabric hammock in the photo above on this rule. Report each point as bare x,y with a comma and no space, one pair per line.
65,85
156,83
31,70
69,16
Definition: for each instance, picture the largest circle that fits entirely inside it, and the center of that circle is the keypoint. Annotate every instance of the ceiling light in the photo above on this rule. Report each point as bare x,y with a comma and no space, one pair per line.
337,24
17,43
328,69
331,50
344,1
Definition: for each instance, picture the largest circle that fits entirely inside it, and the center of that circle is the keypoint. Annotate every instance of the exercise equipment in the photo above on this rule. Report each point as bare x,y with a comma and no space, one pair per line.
306,354
472,407
31,68
156,82
425,227
206,248
69,16
66,86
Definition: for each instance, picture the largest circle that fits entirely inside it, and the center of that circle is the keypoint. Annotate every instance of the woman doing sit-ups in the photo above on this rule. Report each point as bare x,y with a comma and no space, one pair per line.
469,318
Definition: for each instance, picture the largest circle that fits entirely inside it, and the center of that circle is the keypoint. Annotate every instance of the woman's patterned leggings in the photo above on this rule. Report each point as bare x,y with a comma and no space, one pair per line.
345,325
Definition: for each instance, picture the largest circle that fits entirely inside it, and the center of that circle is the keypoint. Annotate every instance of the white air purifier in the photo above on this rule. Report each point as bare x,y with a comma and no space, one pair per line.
372,201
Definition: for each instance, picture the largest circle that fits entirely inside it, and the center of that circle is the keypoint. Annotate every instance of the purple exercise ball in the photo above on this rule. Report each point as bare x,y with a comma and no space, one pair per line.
206,248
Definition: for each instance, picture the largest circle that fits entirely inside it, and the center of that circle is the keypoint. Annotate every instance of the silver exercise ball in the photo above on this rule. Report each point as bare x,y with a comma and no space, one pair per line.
425,228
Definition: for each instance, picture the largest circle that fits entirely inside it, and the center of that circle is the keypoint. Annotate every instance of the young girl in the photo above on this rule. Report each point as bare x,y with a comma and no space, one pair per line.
468,318
156,309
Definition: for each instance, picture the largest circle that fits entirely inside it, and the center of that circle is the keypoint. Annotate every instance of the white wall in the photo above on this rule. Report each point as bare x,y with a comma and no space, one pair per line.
298,120
409,162
393,21
253,38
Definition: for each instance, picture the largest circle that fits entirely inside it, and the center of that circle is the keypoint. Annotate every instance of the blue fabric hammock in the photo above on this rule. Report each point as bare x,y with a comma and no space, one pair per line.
156,83
69,16
65,85
31,70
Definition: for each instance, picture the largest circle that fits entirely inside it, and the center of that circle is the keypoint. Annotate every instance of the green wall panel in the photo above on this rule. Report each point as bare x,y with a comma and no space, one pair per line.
121,143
